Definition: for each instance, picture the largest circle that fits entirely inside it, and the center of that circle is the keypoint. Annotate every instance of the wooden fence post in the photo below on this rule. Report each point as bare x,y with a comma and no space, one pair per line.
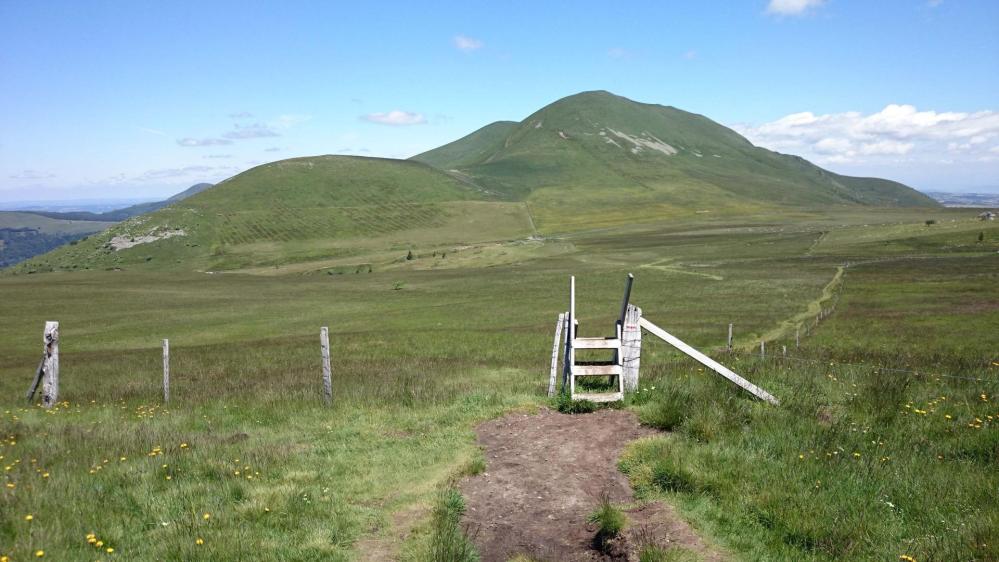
783,350
555,346
730,337
324,342
50,388
631,347
797,338
166,371
763,349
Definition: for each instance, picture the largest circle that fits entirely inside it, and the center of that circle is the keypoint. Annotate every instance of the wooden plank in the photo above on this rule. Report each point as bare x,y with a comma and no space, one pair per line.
324,343
50,388
555,346
166,370
708,362
565,352
596,343
600,396
631,348
593,370
39,372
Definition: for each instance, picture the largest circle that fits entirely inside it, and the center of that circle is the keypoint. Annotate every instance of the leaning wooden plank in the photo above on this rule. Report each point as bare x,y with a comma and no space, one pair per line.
707,361
38,378
555,346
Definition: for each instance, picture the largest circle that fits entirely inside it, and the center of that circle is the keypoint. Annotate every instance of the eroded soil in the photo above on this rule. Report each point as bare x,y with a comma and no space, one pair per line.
546,473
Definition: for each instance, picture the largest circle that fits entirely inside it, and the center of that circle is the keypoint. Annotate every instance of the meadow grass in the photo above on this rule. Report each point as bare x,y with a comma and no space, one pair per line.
416,368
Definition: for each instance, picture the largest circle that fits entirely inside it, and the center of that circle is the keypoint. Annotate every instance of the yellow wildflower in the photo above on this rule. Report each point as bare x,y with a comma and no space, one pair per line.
200,541
206,516
39,553
29,517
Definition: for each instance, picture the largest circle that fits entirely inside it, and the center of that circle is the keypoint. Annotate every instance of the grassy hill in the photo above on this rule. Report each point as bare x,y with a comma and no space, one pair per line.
340,209
596,158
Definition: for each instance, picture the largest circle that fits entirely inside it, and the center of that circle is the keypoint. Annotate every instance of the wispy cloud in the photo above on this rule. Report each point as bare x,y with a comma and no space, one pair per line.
933,3
217,156
395,117
690,54
152,131
273,149
188,141
31,175
174,173
241,115
896,133
199,172
467,44
792,7
254,131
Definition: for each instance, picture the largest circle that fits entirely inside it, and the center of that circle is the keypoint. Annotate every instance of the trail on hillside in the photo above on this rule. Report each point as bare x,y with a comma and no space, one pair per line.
814,307
545,474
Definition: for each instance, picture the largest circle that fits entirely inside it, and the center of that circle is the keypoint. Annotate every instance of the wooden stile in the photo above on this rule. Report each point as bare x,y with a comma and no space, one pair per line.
324,343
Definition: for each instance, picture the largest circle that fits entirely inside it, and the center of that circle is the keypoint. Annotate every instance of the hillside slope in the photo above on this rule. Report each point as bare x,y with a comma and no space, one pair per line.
25,235
596,152
301,210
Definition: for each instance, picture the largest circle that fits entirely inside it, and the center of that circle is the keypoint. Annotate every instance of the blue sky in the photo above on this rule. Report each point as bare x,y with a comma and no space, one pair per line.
142,99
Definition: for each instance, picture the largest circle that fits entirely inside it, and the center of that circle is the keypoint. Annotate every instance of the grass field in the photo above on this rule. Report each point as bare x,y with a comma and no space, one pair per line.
425,348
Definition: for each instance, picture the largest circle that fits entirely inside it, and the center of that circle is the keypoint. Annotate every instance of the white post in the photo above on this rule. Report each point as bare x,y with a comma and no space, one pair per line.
730,337
324,343
631,347
558,334
166,371
763,349
783,350
797,338
50,388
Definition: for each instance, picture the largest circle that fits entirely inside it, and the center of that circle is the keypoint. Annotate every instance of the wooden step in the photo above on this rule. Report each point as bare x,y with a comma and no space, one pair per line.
599,396
596,343
594,370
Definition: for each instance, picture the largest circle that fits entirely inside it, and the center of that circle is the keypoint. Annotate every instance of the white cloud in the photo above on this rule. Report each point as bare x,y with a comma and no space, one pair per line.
174,173
792,7
467,44
690,54
933,3
395,117
897,133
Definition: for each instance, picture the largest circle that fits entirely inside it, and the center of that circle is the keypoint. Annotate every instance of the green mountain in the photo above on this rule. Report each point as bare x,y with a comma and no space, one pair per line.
596,153
342,209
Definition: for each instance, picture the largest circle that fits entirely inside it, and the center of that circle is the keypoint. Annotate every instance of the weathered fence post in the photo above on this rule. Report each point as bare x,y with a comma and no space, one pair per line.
166,371
631,347
324,342
50,388
783,350
763,349
730,337
555,346
797,338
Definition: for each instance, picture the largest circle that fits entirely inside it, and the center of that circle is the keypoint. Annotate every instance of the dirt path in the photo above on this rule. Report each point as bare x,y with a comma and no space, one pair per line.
545,474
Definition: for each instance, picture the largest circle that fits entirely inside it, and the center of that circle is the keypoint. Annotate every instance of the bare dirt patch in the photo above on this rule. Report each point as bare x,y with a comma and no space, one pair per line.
545,474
